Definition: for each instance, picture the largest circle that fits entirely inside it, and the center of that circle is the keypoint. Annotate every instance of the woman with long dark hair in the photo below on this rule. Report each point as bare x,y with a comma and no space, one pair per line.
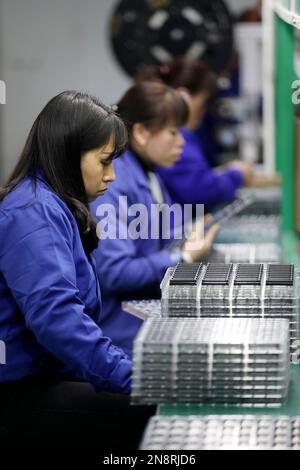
50,301
131,267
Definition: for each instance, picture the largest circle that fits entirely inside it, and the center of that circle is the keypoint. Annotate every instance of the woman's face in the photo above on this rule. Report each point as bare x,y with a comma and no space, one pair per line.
164,147
97,170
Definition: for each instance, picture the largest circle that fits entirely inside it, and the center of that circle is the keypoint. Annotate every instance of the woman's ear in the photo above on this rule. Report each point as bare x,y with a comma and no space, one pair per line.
140,134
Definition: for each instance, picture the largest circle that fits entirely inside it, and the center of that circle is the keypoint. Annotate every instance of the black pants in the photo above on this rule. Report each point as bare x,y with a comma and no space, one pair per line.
68,414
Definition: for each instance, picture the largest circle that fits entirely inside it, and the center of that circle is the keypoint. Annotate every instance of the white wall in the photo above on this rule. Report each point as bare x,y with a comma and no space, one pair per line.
50,46
236,6
47,46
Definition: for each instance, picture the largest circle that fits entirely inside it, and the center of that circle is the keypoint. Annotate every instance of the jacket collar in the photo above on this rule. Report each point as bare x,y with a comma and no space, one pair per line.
39,174
137,169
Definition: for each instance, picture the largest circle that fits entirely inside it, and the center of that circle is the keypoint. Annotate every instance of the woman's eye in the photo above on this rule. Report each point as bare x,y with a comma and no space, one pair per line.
105,162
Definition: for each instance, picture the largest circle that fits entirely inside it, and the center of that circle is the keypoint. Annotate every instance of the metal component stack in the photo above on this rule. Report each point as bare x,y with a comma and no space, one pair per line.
181,288
245,253
250,229
220,432
267,201
225,361
234,290
143,309
236,207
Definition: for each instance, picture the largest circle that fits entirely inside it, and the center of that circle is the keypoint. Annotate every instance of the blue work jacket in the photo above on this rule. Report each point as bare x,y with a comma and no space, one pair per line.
127,268
192,181
49,295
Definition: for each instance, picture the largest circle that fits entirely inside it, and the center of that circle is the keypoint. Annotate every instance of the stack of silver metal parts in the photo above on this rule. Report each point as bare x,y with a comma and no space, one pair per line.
234,290
222,432
250,229
225,361
223,335
143,308
245,253
266,201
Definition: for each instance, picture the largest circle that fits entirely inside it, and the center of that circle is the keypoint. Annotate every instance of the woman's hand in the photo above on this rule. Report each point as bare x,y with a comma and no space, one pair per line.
263,181
194,249
245,168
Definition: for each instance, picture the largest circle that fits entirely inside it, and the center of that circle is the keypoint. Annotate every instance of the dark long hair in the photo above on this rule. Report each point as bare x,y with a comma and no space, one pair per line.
70,124
154,105
195,75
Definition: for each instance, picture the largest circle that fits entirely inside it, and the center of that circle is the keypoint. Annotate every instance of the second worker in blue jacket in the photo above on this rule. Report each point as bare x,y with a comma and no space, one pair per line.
129,267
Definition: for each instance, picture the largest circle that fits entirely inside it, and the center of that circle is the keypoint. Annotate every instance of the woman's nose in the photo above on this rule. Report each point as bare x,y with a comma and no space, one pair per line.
181,140
110,173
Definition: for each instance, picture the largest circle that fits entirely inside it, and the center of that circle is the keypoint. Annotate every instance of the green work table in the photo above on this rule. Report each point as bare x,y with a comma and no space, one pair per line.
292,407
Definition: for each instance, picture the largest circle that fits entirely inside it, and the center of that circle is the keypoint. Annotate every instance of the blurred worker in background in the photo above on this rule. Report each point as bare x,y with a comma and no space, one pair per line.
192,179
133,268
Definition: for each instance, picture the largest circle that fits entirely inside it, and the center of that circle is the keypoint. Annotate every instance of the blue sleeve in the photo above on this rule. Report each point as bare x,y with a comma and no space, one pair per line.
193,181
120,268
38,266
